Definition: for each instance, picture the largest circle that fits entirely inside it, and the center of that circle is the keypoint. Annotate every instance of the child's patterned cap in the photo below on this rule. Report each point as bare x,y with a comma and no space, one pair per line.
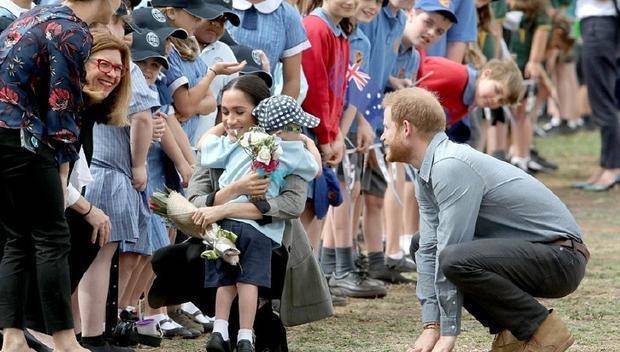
278,111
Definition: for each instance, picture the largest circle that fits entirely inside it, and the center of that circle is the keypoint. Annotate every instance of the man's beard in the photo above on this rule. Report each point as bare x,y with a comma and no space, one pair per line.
398,153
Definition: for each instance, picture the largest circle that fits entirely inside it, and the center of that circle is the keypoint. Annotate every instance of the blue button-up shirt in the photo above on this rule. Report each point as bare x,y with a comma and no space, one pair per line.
466,195
466,30
42,57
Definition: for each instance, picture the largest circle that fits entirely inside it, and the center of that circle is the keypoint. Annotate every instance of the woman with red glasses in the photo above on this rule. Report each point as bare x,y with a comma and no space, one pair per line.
43,58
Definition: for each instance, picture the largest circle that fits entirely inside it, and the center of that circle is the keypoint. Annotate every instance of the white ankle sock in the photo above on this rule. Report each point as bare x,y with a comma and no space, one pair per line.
399,255
191,309
245,334
157,317
221,326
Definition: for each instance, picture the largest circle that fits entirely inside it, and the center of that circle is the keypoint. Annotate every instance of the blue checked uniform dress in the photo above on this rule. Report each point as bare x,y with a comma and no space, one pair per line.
272,26
111,189
158,234
180,73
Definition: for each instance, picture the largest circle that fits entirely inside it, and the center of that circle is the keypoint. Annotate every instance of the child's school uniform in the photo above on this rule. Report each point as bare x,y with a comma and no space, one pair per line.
184,72
273,26
325,66
453,83
465,30
407,63
111,189
385,33
255,239
521,39
210,55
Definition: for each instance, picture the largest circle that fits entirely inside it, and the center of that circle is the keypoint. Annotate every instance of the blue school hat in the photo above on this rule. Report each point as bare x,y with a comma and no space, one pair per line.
326,192
441,6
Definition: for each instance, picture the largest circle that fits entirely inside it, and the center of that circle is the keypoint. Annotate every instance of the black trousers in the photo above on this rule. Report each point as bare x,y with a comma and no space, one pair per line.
601,37
33,222
499,279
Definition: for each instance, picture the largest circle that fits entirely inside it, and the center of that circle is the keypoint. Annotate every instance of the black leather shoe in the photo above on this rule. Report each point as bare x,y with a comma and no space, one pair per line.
357,285
245,346
388,275
216,343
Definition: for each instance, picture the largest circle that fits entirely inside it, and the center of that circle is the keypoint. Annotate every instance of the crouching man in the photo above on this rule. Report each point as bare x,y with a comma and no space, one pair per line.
492,237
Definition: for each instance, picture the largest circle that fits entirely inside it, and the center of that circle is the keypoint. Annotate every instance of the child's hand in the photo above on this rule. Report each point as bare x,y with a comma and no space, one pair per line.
228,68
186,171
265,64
252,185
532,70
365,135
159,125
338,149
139,178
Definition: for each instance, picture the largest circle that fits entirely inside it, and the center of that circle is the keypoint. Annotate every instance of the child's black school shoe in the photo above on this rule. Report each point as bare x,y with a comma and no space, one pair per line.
216,343
245,346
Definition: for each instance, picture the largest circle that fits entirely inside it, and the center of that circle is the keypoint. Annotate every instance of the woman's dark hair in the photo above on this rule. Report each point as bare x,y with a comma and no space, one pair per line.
252,86
311,5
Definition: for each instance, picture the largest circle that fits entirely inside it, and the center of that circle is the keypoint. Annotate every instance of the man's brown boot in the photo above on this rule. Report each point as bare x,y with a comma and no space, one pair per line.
506,342
551,336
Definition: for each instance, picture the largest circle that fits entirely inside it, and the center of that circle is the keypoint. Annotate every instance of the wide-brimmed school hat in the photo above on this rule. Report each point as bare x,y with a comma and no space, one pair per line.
254,64
217,8
154,20
205,9
278,111
441,6
146,45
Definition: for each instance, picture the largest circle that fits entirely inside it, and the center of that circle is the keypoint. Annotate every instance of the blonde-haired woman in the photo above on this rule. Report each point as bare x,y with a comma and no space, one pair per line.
43,57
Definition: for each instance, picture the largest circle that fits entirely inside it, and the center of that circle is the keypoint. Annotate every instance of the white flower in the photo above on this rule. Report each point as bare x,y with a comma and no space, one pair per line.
258,137
244,141
278,152
264,155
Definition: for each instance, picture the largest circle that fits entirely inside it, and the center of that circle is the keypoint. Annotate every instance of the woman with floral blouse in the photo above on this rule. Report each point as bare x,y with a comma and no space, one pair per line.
42,72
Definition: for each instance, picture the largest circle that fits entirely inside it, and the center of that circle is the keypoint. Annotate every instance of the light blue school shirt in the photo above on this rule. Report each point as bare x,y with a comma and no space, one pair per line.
407,63
466,30
465,195
180,73
360,89
219,152
384,33
279,30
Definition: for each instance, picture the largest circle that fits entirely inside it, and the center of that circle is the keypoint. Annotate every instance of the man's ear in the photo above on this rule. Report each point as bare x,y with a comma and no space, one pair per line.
407,128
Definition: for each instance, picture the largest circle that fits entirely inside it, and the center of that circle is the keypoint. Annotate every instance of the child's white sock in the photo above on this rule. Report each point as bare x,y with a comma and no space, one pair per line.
191,309
221,326
245,334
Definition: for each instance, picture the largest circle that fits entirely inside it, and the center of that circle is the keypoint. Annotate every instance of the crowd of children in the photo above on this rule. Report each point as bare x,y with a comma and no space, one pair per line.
205,71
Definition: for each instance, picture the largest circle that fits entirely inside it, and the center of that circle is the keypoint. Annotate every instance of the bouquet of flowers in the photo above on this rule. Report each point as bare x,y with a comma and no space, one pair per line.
177,210
263,148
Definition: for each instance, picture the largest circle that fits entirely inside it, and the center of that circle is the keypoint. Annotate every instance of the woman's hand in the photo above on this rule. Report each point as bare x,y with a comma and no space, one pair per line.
101,226
206,216
139,178
159,125
251,185
227,68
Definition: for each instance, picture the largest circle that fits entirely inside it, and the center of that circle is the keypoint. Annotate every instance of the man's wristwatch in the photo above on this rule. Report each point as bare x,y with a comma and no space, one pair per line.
432,325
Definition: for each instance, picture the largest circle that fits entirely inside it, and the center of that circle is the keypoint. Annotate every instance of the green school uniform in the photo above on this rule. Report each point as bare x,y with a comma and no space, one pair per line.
521,41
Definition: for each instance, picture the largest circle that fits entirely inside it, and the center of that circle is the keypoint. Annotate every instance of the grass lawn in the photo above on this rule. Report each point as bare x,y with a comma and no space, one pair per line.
392,323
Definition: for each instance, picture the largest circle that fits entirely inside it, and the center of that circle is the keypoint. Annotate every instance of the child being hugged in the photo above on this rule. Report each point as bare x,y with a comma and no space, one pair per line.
283,117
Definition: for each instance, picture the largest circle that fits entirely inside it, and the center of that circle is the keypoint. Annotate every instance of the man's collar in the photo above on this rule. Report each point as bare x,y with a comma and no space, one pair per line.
266,7
470,89
429,156
319,12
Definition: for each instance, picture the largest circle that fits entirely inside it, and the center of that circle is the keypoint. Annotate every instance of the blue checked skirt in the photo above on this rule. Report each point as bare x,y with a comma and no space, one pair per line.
111,189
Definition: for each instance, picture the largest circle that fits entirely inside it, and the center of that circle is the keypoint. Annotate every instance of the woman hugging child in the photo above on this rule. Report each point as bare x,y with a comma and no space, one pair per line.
279,115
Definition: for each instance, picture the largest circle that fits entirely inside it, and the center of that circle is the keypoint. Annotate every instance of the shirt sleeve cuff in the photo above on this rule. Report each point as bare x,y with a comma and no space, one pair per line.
72,195
450,326
296,49
430,313
179,82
